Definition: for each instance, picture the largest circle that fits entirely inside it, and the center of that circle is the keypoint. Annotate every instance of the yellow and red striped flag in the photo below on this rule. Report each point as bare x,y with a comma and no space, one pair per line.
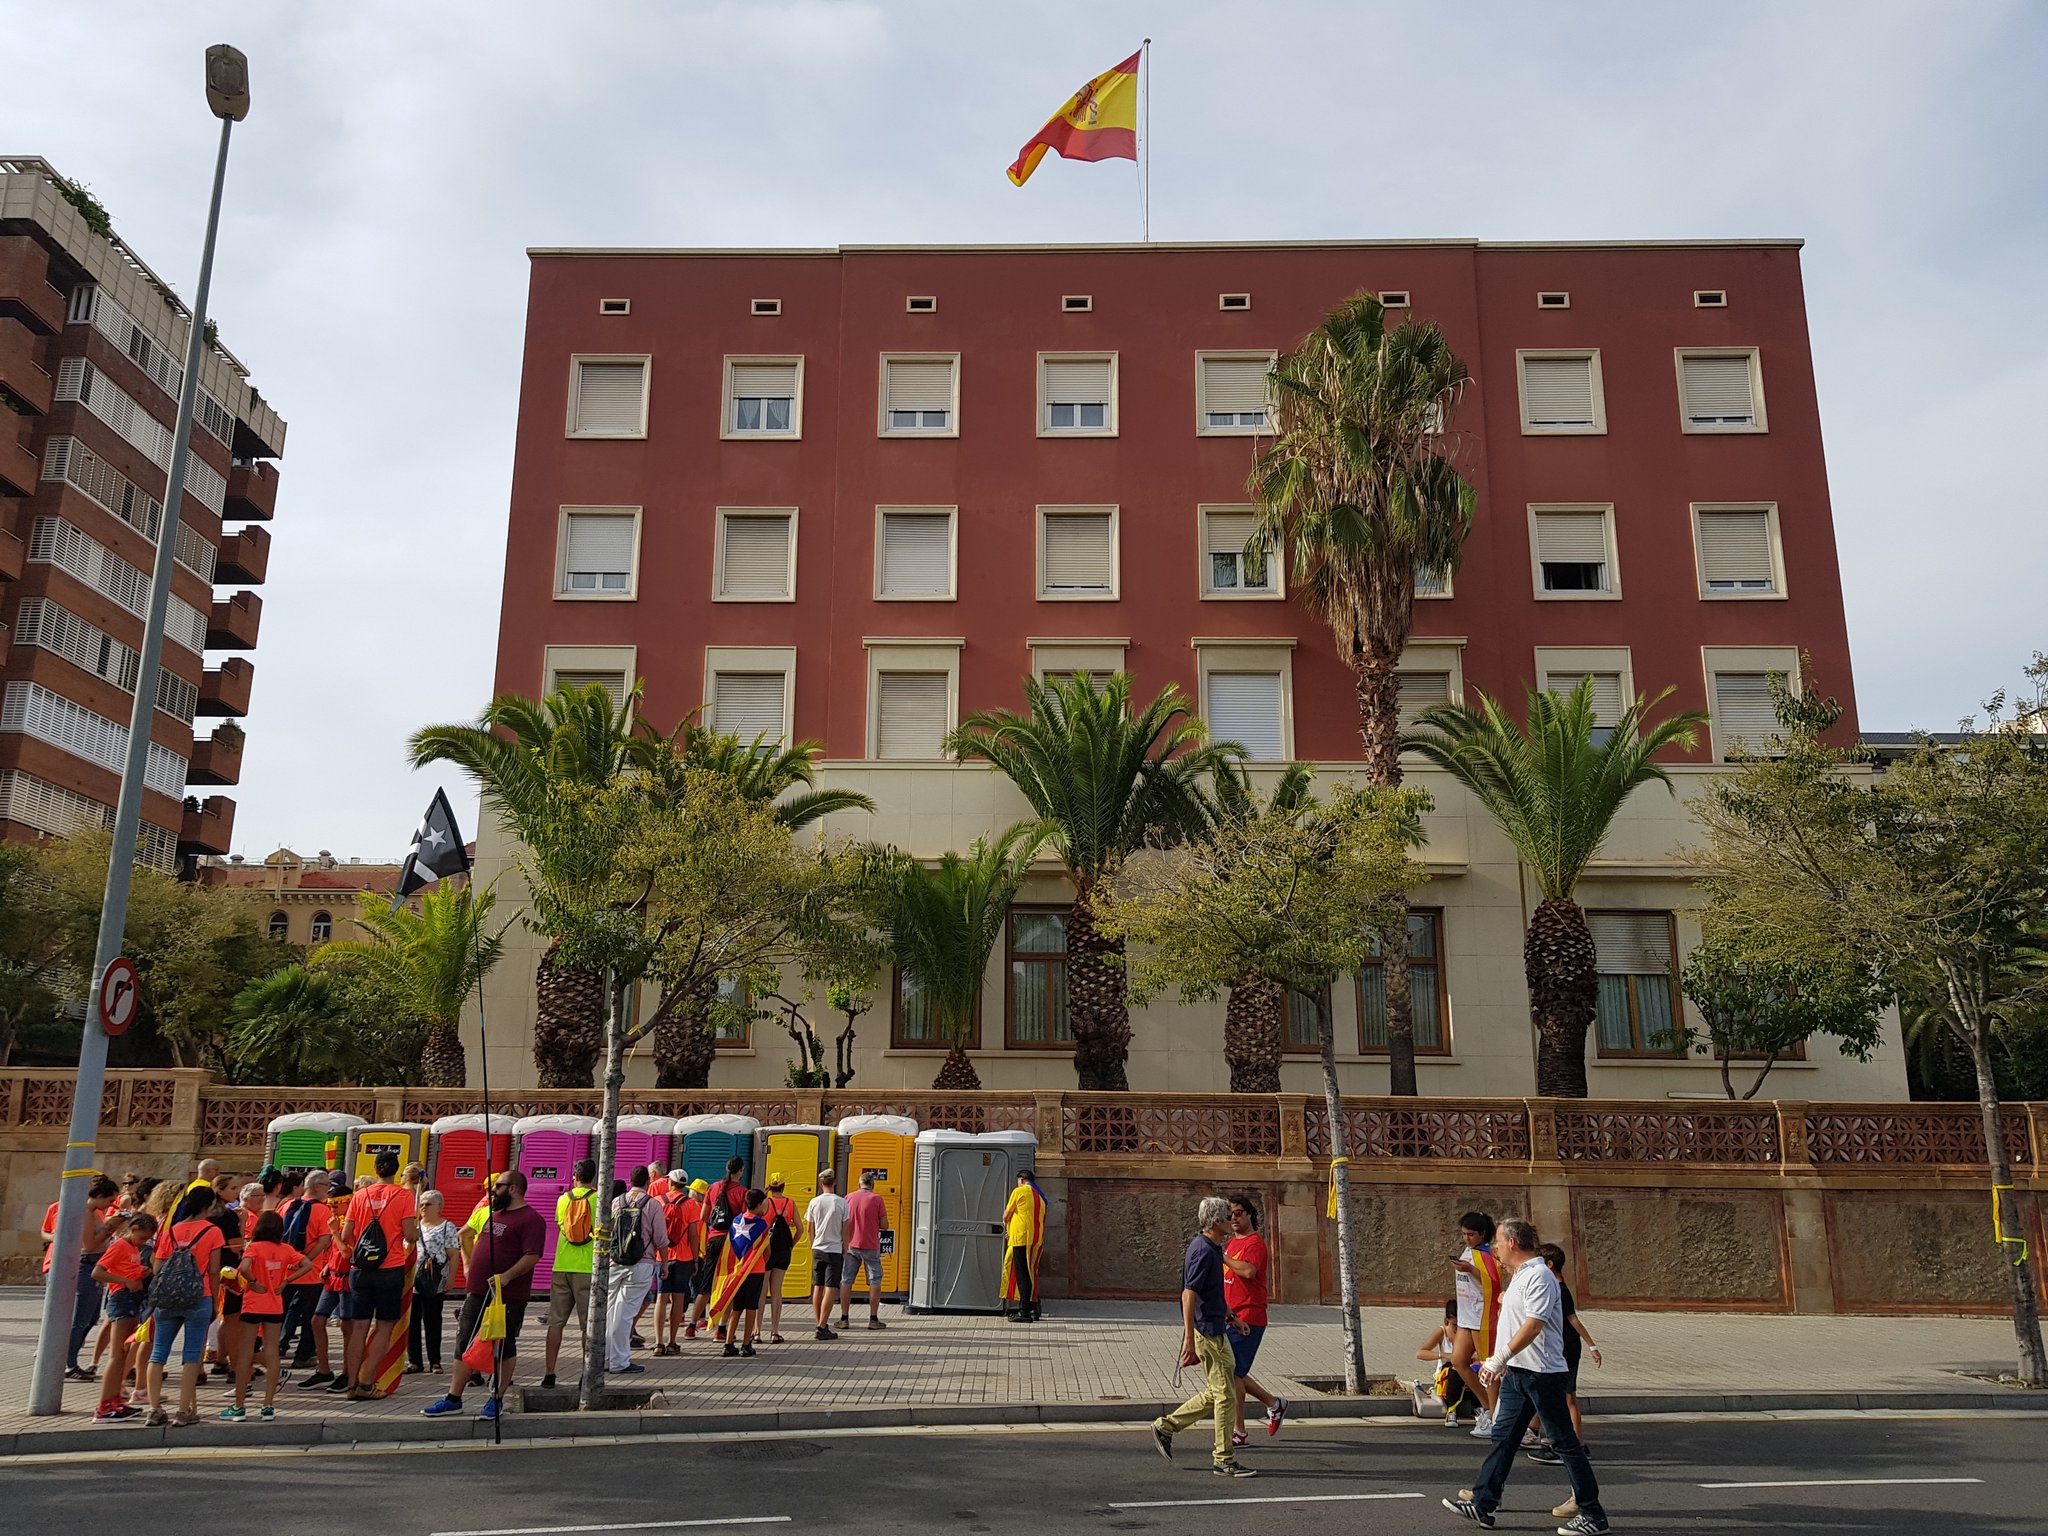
1099,122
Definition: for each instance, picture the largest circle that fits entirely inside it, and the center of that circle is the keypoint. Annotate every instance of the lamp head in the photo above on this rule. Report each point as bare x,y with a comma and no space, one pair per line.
227,82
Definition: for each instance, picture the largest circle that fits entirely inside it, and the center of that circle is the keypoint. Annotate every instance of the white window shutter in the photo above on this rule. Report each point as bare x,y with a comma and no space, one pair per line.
1078,552
1606,693
1245,707
764,381
910,715
1558,391
917,384
613,683
1735,550
1419,690
610,398
1235,384
1229,533
1717,391
916,554
1743,710
1572,538
747,704
599,544
1077,381
756,557
1632,943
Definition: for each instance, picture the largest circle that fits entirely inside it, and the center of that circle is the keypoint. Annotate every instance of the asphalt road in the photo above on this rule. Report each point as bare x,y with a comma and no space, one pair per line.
1368,1480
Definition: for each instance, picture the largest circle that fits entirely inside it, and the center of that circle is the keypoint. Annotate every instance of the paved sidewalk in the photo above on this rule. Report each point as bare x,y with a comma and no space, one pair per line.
1103,1359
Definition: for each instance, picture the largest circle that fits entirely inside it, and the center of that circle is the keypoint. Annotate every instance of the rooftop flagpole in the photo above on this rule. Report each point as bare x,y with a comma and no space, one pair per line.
1145,143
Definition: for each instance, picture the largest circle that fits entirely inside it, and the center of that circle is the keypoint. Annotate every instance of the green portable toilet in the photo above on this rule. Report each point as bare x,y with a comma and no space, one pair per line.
308,1141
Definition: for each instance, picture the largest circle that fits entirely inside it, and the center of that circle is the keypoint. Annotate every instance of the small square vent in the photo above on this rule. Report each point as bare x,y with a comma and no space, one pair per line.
615,306
1710,298
1233,301
767,306
922,303
1553,301
1077,303
1394,298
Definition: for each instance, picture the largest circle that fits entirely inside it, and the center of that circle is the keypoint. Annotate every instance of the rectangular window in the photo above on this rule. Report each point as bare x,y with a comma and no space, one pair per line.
597,554
1738,550
1720,391
1639,996
613,683
733,1031
1420,690
918,395
608,397
748,705
1607,691
1036,1010
1574,551
914,554
1745,719
1232,395
1300,1029
757,556
913,712
914,1021
1232,564
762,397
1248,707
1427,1004
1076,553
1561,392
1077,394
1429,583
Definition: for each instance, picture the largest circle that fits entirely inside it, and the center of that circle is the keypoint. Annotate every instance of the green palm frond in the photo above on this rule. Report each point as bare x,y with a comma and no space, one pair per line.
520,750
1553,787
1233,799
761,769
433,958
949,917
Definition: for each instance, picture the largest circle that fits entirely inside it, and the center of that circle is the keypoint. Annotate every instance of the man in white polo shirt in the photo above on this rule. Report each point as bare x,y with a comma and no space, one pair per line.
1528,1364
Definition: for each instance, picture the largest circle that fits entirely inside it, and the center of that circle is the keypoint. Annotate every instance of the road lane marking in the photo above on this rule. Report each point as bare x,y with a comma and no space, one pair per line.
1849,1482
1301,1498
637,1525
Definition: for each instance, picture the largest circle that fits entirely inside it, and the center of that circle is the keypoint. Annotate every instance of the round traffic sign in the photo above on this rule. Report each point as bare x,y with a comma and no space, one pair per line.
120,995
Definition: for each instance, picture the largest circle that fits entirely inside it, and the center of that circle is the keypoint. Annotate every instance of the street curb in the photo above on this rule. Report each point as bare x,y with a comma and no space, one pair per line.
343,1433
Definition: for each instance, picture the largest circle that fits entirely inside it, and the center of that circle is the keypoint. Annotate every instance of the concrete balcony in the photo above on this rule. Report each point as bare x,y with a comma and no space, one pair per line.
21,369
25,291
217,759
20,471
233,623
224,690
13,553
252,493
209,825
244,557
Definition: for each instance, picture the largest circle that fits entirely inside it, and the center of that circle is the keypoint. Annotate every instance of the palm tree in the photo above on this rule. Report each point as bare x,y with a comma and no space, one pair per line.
1555,788
1360,483
521,752
430,960
1253,1016
946,921
1102,781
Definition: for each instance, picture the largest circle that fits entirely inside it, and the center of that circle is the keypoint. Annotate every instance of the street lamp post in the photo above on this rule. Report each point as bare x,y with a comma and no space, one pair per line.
227,94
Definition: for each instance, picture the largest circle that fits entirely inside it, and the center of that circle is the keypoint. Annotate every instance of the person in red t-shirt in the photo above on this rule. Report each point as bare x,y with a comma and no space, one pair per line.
268,1267
1245,1267
124,1271
379,1288
684,1214
199,1234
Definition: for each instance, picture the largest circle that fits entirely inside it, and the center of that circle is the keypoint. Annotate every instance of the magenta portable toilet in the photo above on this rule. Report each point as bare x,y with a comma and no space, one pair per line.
546,1148
643,1139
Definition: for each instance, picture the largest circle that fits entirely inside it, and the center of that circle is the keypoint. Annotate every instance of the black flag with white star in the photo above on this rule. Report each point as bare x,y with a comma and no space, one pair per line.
437,850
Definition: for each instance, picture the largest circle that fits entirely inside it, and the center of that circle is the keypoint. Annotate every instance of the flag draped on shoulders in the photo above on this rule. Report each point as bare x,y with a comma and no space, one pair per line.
745,1254
1023,1227
1098,122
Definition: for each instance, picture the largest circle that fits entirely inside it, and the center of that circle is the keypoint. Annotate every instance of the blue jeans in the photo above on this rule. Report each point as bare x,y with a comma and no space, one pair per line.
167,1325
85,1309
1523,1395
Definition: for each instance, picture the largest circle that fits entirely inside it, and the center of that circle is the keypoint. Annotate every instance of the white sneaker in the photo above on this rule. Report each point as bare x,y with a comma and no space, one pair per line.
1483,1428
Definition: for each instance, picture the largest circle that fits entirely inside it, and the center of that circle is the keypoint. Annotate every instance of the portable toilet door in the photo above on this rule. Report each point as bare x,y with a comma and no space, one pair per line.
408,1138
884,1145
643,1139
709,1142
796,1153
963,1183
546,1148
308,1141
465,1153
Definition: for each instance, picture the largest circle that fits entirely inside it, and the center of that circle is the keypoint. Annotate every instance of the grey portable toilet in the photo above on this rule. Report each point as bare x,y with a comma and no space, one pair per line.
963,1182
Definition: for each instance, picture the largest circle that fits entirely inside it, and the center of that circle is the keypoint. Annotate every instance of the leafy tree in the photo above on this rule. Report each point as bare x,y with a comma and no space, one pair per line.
32,948
1934,873
1296,896
1102,779
1361,483
1554,788
1763,1007
314,1028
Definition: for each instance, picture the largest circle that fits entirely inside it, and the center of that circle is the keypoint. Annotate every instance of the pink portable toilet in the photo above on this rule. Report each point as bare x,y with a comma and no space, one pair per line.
465,1153
643,1139
546,1148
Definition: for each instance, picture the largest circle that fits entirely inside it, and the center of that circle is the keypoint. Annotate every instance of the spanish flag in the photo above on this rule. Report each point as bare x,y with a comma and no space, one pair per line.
1099,122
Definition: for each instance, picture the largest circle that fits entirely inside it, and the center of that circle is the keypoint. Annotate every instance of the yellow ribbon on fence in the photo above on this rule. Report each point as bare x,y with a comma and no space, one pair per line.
1998,1225
1335,1163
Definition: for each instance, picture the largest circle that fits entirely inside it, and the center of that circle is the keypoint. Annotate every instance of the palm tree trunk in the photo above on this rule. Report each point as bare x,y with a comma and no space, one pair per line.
1561,965
442,1062
683,1047
1377,684
568,1024
1340,1184
2026,1312
1097,1008
1251,1035
956,1073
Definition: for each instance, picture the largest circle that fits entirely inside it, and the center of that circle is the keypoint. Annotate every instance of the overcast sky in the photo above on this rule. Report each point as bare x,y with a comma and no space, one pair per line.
400,158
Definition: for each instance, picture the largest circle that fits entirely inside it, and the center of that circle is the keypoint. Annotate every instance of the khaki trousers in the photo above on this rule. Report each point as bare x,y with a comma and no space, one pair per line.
1217,1399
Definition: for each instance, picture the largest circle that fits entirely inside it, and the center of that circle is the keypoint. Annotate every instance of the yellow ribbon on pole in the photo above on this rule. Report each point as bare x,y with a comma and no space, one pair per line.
1998,1225
1335,1163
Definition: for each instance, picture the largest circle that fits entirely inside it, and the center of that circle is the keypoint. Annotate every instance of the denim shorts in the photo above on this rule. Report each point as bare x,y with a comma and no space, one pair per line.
194,1323
1244,1347
123,1303
329,1303
858,1259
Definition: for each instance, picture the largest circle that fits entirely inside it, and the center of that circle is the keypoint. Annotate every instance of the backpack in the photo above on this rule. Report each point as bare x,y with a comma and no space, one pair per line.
296,1222
722,1209
576,1224
177,1286
629,1241
672,1213
373,1247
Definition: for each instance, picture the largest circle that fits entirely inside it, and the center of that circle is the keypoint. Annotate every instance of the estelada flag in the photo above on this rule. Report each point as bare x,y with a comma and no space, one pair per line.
1099,122
734,1269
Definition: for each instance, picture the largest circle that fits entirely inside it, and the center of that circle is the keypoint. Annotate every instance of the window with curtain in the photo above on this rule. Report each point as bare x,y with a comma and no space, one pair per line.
1235,564
1427,1004
1638,973
914,1022
1037,1005
763,398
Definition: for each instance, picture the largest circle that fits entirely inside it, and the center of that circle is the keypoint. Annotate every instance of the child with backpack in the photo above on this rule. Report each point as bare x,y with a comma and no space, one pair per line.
181,1294
1446,1386
268,1267
124,1270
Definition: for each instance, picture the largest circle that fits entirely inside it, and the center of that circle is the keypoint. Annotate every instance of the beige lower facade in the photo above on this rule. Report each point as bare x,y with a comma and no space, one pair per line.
1476,902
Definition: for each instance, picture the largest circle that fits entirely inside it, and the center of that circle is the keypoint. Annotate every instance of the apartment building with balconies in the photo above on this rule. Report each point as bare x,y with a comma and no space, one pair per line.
852,495
92,349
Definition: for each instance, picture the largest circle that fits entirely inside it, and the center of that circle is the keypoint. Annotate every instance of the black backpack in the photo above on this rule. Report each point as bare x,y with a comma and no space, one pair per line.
722,1209
629,1240
177,1286
373,1247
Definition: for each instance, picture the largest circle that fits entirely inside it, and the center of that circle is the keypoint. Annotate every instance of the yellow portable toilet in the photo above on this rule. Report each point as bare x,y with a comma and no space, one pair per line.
796,1152
886,1146
408,1138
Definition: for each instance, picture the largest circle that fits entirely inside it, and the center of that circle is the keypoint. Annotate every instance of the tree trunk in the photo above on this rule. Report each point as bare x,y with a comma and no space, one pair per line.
1096,1006
683,1047
1377,684
568,1024
843,1054
2026,1312
1251,1035
1562,967
594,1345
442,1062
1340,1182
956,1073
